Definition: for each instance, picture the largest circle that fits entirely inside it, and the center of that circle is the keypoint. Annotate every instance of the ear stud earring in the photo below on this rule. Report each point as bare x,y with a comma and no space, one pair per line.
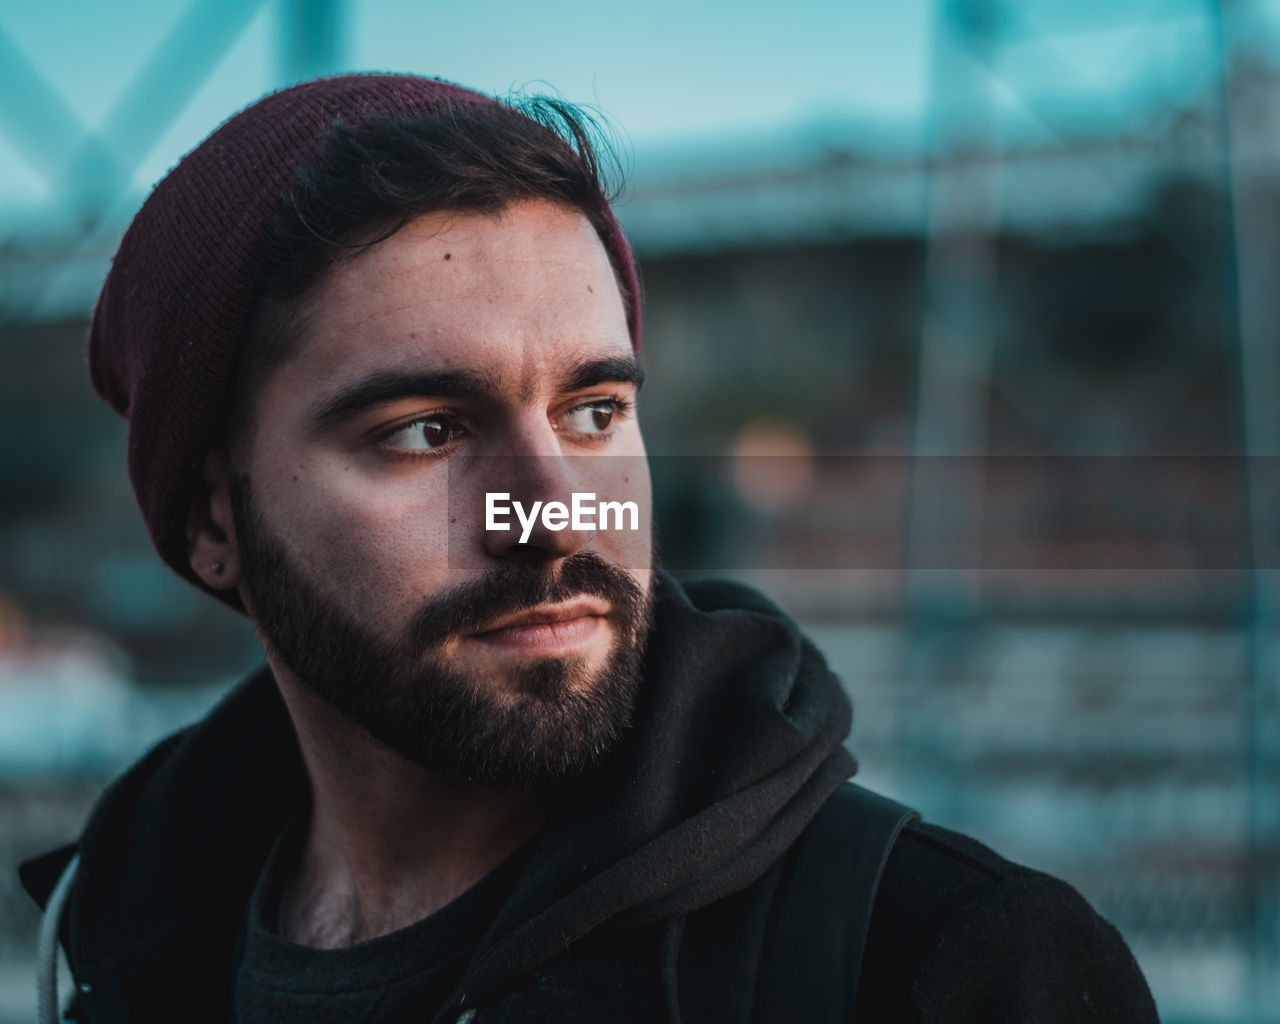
216,568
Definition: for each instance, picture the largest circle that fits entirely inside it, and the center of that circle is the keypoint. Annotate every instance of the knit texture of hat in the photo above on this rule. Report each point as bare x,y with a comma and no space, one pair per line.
169,324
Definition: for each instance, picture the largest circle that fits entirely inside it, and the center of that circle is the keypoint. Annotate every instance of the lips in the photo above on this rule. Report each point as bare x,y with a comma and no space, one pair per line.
579,608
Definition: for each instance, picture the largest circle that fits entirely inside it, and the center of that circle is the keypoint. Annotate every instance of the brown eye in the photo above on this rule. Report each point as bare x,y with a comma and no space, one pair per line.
422,434
593,418
434,433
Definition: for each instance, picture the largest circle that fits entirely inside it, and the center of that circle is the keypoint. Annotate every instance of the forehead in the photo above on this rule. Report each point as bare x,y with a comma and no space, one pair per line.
513,296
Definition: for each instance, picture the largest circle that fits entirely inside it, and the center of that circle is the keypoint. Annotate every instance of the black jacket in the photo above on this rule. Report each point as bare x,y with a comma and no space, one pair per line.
719,870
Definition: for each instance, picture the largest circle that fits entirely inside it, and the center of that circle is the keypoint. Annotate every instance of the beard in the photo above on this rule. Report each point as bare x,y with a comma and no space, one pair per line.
552,721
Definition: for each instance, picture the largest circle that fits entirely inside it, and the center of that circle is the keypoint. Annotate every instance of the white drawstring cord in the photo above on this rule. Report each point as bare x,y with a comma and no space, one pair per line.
47,947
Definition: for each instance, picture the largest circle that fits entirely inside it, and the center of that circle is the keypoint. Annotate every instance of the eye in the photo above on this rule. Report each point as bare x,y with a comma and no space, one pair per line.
592,418
423,434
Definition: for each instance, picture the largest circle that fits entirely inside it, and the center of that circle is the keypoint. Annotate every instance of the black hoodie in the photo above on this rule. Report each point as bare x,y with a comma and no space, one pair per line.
676,885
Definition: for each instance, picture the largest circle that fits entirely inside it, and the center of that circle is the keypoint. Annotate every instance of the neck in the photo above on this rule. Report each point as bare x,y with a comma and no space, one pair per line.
389,842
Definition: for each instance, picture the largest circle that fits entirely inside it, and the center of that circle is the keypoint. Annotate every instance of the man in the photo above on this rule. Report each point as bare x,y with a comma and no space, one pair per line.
489,774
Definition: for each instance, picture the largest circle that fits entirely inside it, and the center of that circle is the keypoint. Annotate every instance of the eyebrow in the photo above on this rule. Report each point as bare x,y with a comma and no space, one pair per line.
614,369
392,385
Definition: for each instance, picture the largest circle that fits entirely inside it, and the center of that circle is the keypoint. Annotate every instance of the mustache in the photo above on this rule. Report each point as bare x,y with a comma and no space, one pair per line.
516,586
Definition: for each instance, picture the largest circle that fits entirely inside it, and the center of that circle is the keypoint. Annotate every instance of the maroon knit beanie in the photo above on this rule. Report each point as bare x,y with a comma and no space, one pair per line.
168,327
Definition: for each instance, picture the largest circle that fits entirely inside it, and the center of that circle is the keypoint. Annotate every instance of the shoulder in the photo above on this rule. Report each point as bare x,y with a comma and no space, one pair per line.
959,933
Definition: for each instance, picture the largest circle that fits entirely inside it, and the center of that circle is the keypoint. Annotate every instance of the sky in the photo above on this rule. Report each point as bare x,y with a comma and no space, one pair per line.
672,75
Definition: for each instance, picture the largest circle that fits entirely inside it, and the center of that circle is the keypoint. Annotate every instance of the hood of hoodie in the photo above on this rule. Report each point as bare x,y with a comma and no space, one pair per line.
737,741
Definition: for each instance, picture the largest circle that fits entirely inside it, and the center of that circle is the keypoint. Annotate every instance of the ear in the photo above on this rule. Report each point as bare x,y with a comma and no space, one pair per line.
211,534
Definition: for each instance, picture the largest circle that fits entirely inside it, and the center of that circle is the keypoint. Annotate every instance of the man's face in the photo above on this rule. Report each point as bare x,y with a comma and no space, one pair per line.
466,354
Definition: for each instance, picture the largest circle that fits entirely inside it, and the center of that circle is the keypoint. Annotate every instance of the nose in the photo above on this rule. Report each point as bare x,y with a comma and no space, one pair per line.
533,471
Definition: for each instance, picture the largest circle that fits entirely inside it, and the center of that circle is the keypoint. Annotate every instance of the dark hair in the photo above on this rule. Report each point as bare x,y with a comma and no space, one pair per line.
371,180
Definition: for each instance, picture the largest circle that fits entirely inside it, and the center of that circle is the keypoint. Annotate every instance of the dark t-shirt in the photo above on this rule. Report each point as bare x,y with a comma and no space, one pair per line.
403,976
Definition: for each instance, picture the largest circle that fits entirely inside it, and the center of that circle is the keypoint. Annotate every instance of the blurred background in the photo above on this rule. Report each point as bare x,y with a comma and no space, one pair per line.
962,339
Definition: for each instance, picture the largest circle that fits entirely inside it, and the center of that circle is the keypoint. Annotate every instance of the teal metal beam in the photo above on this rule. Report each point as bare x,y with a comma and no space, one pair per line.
1250,114
152,101
311,38
39,123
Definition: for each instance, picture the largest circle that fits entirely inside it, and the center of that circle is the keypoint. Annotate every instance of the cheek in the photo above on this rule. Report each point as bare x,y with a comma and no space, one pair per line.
636,554
625,478
383,541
